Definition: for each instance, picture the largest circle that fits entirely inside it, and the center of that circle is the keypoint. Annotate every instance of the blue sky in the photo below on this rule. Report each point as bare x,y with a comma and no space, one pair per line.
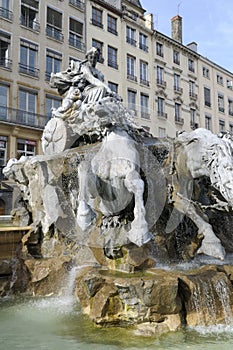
207,22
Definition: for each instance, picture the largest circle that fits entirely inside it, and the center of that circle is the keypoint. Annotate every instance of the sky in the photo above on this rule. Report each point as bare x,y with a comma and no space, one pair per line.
207,22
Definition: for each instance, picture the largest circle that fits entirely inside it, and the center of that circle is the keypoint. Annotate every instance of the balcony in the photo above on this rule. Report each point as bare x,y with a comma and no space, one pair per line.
179,121
144,82
132,77
145,115
6,63
162,115
31,24
192,95
143,47
221,109
207,104
77,3
28,70
131,41
194,125
76,42
230,112
161,83
4,13
18,117
54,33
178,89
97,23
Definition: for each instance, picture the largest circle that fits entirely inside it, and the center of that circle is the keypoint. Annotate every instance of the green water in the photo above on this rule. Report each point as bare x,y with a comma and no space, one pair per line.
58,324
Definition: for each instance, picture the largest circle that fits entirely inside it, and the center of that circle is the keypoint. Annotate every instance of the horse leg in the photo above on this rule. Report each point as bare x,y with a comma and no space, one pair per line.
85,214
138,233
211,245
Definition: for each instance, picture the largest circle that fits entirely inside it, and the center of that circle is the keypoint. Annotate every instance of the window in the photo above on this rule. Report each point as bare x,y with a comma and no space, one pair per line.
27,107
231,128
5,40
131,70
131,36
162,132
191,65
193,123
219,79
28,58
192,89
221,103
77,3
112,57
208,122
161,107
159,72
51,102
4,9
112,25
53,63
144,73
113,86
230,106
99,45
132,100
221,125
3,150
177,112
159,49
29,14
26,148
206,72
76,34
144,99
143,39
176,82
54,24
176,57
4,94
229,84
96,17
207,97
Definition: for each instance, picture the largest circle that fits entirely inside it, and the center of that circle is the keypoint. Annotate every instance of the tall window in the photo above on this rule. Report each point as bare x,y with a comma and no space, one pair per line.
131,68
176,57
131,36
3,150
4,93
193,118
99,45
5,9
177,112
205,72
28,58
208,122
161,107
176,82
113,86
159,49
27,107
231,128
221,103
144,101
51,102
97,17
162,132
144,73
76,34
192,88
191,65
112,57
143,42
29,14
222,125
26,148
54,24
132,100
5,40
230,106
53,63
112,25
159,73
207,97
219,79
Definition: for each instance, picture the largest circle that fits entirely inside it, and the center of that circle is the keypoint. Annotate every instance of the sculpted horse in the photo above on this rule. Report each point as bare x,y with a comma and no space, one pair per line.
196,155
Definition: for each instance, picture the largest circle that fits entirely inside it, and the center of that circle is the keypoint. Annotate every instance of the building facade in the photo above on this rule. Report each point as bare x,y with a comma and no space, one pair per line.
169,85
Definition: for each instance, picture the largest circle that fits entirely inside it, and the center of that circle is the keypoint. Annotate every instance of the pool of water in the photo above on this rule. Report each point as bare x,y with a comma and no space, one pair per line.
58,324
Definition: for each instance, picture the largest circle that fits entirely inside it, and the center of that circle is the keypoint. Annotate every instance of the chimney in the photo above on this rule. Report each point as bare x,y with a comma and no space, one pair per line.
177,28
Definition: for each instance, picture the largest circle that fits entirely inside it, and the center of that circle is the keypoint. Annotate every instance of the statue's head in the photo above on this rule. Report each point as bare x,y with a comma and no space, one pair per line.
92,55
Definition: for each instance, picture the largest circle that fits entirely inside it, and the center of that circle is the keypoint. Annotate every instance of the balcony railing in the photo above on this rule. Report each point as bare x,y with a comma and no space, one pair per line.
230,113
178,89
143,47
97,23
192,95
131,41
132,77
54,33
221,109
162,115
6,63
18,117
161,82
145,115
77,3
32,71
179,121
24,21
76,42
6,13
144,82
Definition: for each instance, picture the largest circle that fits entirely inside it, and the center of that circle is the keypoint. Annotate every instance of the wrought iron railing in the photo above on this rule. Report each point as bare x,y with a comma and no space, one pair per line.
5,13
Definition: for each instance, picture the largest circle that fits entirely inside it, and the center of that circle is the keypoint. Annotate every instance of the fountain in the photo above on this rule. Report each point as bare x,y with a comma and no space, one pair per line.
120,205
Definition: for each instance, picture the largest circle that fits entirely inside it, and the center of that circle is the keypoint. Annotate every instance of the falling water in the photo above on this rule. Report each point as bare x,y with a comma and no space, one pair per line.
211,300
